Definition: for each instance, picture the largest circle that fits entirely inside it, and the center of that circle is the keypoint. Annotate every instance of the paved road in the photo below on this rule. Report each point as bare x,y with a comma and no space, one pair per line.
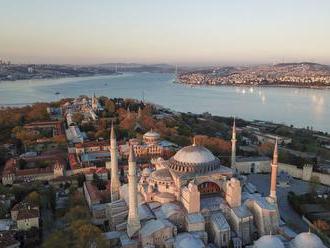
291,217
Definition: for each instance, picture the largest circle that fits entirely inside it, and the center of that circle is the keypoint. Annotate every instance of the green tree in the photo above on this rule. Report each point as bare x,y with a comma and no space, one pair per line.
26,136
58,238
38,112
87,235
110,106
314,184
77,213
34,197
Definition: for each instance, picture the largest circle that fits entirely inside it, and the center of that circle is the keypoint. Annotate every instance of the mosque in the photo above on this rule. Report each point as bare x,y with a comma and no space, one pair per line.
192,200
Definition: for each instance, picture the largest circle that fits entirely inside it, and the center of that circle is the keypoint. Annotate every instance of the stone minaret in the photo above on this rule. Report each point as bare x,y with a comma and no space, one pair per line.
133,222
139,115
274,166
128,111
94,102
233,146
115,183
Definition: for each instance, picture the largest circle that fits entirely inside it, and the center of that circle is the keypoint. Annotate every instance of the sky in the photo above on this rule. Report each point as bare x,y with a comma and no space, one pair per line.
210,32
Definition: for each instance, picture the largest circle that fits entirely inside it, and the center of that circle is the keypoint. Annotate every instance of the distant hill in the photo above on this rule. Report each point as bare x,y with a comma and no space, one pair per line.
310,64
301,74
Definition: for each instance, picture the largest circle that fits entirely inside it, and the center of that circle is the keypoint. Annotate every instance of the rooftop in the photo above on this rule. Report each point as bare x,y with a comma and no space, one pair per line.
27,214
96,195
94,143
94,156
194,154
7,239
153,226
242,212
219,221
195,218
252,159
162,174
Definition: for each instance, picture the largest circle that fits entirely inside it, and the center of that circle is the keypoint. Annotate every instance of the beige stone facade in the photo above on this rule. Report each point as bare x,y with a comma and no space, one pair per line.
28,223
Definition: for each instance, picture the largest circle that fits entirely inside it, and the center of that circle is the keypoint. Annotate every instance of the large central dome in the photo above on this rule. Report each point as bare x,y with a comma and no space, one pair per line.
194,159
194,154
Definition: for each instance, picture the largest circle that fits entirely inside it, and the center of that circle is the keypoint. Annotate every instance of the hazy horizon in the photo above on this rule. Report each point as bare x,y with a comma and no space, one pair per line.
190,32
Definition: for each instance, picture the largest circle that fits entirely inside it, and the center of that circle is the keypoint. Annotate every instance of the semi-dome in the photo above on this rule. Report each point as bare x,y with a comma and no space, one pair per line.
194,158
269,241
307,239
184,240
161,175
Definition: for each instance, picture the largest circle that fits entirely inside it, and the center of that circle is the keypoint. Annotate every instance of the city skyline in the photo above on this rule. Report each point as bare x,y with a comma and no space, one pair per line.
191,33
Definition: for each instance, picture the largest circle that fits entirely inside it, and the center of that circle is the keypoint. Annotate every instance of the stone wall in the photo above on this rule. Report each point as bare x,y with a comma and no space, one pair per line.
305,174
247,167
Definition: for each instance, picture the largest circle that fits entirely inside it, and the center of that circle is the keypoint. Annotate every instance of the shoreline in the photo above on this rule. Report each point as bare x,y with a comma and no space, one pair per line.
177,81
54,78
315,87
173,111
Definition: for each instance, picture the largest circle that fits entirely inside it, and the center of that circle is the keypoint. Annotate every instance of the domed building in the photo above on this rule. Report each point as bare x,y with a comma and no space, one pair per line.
192,200
307,240
151,137
171,179
150,146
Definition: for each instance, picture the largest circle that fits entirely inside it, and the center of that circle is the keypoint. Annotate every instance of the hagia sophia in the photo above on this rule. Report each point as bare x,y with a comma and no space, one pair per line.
193,200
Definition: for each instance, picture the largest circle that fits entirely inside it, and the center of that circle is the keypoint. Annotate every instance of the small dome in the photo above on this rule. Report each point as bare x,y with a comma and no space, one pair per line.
151,134
269,241
194,154
307,240
184,240
146,172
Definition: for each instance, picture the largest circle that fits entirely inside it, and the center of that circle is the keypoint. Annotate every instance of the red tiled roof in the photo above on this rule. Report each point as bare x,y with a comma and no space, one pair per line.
34,171
10,167
93,144
24,205
40,123
73,161
99,170
27,214
7,239
97,195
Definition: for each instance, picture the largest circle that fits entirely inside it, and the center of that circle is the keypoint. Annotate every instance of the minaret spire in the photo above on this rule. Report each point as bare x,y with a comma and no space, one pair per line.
139,115
274,167
233,145
115,183
112,133
128,111
133,221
